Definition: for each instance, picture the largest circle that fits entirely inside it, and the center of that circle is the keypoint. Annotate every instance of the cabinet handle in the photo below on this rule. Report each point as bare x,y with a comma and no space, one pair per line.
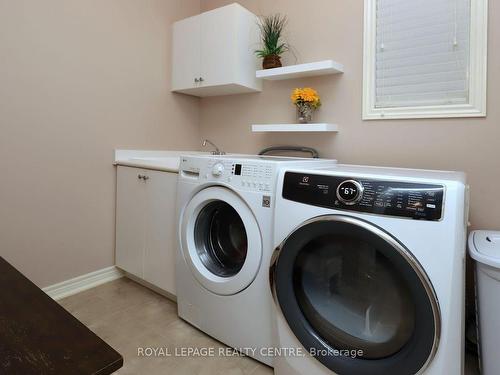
196,80
201,79
140,176
145,178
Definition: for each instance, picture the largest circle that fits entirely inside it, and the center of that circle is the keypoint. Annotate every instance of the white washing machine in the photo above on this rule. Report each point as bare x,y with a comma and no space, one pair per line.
368,272
225,208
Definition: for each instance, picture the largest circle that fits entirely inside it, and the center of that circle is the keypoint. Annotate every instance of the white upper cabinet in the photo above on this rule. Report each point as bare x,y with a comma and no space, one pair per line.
213,53
186,54
218,63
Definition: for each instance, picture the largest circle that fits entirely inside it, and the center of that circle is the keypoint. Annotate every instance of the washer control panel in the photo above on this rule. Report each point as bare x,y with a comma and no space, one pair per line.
254,176
391,198
244,175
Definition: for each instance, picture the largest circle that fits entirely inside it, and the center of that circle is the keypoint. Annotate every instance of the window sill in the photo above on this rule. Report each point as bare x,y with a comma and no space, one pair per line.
451,111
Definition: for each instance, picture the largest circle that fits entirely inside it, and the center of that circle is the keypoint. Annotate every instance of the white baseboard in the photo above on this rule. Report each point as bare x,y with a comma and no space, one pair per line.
84,282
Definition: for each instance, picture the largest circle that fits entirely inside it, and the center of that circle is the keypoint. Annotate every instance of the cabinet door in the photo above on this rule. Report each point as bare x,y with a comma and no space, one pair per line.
161,223
218,45
186,53
130,220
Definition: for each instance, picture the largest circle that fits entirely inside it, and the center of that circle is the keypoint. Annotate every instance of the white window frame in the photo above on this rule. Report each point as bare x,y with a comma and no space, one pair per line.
477,72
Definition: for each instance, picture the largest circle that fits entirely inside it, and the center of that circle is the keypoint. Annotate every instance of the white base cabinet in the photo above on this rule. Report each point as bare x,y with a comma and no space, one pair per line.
145,225
213,53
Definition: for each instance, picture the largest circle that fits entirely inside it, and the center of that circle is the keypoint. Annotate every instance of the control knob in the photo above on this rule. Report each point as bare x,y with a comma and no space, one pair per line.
218,169
350,192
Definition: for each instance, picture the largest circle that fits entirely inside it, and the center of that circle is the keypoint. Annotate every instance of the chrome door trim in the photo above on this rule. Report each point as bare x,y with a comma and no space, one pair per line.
402,250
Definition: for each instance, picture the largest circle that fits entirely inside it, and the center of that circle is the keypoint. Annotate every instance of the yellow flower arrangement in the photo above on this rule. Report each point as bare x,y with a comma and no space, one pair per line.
306,96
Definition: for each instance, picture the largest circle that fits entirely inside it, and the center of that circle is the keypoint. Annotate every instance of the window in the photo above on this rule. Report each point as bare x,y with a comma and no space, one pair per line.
425,58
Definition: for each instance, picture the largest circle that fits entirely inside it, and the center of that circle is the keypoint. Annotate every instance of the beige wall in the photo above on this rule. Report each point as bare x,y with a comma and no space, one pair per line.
79,78
332,29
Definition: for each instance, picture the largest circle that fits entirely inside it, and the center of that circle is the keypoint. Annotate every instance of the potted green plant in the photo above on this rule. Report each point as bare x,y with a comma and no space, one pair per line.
273,46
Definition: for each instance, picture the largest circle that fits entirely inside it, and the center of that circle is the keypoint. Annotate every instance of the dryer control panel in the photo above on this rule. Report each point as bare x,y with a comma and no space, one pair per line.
380,197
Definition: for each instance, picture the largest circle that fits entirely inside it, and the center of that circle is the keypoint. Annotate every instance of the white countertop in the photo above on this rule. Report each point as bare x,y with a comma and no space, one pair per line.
167,161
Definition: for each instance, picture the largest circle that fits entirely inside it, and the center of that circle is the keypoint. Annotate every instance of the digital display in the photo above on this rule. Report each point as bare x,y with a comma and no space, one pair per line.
237,169
348,191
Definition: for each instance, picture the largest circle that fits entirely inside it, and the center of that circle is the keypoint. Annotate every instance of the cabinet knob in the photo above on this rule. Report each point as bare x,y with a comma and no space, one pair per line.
139,176
201,79
196,80
145,178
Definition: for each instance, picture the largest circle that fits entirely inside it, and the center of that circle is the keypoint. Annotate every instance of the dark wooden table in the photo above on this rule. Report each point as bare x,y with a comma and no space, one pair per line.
38,336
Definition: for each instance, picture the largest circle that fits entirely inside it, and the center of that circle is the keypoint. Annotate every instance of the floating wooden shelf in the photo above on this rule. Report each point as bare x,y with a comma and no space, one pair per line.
289,128
318,68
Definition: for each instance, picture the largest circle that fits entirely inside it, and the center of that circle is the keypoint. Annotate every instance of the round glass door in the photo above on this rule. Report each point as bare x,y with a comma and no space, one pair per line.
346,286
220,240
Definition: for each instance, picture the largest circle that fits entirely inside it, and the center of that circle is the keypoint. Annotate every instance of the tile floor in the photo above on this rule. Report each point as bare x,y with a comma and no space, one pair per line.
127,316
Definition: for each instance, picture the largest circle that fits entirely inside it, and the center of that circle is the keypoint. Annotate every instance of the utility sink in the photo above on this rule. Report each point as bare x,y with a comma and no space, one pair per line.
161,160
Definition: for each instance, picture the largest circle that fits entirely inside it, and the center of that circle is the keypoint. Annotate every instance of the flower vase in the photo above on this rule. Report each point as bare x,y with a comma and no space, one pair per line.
304,113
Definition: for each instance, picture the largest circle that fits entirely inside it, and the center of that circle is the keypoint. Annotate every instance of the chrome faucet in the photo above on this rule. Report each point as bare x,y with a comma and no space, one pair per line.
217,150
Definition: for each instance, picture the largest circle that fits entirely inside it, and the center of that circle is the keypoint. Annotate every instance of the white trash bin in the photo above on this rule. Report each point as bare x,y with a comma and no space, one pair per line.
484,248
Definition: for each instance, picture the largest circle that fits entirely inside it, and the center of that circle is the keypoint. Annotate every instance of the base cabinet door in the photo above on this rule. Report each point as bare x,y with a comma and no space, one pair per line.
160,249
146,225
130,219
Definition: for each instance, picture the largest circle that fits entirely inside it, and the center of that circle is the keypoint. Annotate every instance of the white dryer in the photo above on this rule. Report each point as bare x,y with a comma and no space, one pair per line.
225,210
368,273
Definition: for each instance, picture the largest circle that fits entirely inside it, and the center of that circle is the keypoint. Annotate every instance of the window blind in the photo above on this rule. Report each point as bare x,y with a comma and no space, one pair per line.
422,54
